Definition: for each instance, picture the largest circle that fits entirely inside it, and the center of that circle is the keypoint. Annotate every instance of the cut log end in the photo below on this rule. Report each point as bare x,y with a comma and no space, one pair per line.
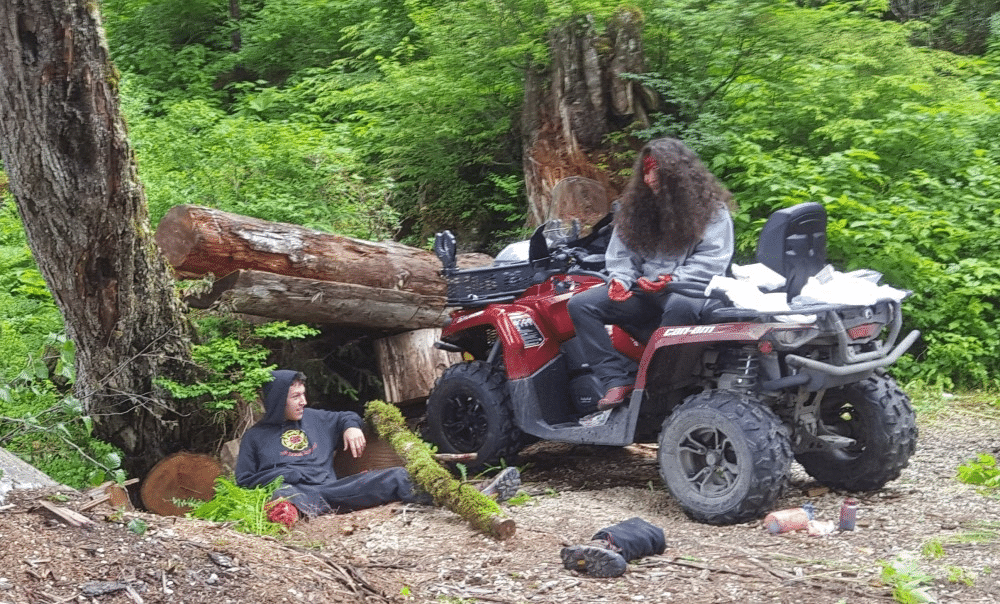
503,528
181,477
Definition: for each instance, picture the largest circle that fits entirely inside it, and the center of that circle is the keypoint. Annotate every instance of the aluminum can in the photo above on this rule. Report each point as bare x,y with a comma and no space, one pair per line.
848,514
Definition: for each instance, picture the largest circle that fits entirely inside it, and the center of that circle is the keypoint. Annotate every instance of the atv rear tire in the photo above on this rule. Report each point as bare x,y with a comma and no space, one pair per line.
469,411
875,413
725,457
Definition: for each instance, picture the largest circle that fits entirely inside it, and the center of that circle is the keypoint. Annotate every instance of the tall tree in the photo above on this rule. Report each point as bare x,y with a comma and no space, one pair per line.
71,170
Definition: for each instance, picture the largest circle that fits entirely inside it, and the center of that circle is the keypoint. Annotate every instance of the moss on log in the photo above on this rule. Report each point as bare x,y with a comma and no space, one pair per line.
462,498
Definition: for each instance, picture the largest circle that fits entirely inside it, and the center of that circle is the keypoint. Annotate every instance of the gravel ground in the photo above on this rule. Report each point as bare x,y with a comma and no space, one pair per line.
941,535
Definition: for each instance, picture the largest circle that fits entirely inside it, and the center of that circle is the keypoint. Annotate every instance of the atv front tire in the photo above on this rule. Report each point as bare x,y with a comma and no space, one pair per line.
469,411
724,456
878,416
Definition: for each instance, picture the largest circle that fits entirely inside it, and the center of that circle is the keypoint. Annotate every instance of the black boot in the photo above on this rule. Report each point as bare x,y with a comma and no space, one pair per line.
610,550
597,559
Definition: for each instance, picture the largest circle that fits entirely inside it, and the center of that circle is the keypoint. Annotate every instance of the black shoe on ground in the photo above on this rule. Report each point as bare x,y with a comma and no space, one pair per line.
594,560
504,485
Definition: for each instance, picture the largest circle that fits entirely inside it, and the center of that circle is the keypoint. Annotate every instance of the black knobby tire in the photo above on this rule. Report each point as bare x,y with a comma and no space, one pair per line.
725,457
469,411
876,414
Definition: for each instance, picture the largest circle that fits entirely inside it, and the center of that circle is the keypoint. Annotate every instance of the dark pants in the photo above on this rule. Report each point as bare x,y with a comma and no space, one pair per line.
355,492
592,310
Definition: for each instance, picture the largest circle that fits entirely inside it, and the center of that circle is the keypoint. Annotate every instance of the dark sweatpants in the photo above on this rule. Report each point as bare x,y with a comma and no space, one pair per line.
355,492
592,310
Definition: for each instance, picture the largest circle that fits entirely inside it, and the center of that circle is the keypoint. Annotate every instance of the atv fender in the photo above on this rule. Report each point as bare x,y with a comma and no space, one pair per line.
526,348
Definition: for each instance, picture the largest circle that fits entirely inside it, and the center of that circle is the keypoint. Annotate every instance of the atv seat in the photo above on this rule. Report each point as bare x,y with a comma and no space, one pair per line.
793,244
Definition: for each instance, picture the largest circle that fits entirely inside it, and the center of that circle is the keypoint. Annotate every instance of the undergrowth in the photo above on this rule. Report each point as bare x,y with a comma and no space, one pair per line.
241,506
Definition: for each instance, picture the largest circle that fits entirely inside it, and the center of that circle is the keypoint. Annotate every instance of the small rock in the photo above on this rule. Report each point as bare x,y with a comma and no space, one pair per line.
99,588
221,560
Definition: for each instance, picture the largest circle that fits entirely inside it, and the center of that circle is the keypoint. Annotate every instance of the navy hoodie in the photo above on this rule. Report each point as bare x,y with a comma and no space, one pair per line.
301,451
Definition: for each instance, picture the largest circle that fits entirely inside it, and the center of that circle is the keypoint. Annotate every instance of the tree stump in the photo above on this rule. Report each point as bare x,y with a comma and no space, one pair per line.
579,198
410,364
378,455
179,477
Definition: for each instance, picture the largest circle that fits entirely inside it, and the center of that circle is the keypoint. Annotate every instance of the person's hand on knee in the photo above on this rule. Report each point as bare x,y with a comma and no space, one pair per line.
354,441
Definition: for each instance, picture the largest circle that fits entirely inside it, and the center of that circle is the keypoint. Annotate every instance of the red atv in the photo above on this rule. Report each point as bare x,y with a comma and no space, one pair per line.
730,400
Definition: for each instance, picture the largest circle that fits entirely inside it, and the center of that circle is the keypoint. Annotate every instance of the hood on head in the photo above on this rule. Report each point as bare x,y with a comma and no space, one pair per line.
275,395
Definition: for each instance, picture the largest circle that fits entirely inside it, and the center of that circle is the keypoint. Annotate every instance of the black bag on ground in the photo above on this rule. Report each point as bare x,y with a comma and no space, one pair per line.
635,538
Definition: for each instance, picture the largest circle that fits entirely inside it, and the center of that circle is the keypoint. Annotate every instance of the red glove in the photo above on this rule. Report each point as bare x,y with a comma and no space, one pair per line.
654,286
282,512
617,292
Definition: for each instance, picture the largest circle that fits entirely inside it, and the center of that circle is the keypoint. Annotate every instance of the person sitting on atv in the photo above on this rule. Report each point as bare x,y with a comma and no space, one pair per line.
674,224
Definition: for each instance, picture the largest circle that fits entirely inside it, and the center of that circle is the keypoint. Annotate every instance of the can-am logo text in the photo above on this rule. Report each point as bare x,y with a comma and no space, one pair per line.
683,331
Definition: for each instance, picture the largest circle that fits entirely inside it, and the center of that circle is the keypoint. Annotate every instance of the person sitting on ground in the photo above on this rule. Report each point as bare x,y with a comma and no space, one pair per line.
298,444
674,224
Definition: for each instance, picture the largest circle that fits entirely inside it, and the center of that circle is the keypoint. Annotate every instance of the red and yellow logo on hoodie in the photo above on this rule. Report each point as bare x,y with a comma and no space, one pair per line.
294,440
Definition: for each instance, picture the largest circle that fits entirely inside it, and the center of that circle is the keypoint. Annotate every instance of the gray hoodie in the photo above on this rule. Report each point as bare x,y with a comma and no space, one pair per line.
698,264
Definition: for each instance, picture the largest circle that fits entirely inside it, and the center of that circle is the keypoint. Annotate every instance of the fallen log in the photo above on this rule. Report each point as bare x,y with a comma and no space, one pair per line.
462,498
198,241
313,301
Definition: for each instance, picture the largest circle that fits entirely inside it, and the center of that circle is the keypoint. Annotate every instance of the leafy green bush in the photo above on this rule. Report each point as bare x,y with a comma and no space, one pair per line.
47,427
982,471
28,314
284,172
232,362
244,507
838,108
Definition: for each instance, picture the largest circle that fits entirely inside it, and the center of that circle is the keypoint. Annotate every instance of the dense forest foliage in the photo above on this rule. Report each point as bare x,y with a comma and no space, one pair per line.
395,118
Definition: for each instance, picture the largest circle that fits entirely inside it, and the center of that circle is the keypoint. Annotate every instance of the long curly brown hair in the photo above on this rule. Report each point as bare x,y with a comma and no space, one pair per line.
673,219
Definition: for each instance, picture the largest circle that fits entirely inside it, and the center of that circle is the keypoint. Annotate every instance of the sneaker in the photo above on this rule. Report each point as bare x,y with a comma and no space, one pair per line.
504,485
595,560
614,397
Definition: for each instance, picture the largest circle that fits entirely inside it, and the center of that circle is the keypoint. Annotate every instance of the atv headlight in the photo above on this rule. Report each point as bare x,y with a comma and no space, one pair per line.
792,338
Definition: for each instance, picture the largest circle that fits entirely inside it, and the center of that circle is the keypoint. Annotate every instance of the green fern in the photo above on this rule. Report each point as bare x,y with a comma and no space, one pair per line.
244,507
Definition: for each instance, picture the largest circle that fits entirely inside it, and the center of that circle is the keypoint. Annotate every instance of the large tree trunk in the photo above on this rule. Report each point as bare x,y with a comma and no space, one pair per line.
72,173
572,104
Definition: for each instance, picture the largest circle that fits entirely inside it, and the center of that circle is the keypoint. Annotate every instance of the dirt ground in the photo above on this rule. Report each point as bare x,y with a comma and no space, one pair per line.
926,524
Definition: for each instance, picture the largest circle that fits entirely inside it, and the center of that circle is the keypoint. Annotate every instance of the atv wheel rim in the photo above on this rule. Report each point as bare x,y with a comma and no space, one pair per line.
464,422
708,460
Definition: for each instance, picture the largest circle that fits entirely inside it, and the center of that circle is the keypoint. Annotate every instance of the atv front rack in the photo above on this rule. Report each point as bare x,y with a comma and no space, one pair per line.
481,286
475,287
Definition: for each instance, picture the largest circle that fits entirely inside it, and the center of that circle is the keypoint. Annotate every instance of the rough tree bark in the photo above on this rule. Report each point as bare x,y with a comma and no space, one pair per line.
571,105
313,301
198,241
73,175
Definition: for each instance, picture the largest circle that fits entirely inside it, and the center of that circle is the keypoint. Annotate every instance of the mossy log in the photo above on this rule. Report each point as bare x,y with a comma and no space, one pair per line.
459,497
